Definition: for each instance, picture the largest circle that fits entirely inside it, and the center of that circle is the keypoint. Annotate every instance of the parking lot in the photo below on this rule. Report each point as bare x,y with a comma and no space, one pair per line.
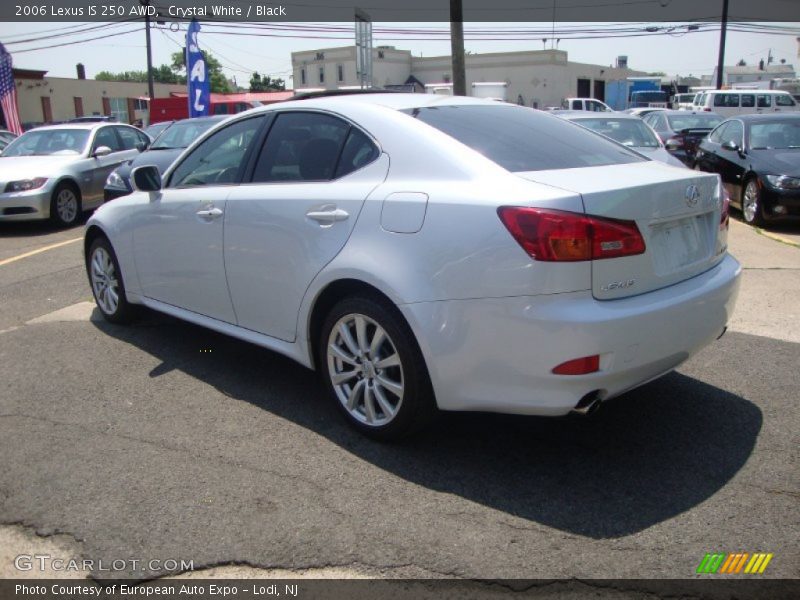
166,441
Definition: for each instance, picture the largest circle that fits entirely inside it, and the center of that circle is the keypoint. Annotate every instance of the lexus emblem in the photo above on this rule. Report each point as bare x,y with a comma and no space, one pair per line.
692,195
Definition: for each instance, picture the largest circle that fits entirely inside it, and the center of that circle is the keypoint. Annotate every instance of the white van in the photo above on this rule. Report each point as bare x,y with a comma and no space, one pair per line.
729,103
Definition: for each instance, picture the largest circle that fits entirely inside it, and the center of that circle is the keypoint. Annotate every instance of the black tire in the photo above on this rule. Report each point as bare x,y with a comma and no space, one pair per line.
122,312
755,216
65,195
416,407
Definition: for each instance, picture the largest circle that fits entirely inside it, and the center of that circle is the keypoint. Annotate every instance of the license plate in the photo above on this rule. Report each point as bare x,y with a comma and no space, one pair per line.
680,243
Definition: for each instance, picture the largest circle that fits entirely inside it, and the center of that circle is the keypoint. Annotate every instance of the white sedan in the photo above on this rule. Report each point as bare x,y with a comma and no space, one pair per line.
427,253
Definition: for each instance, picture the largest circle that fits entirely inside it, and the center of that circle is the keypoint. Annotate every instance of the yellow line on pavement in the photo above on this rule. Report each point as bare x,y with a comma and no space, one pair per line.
38,251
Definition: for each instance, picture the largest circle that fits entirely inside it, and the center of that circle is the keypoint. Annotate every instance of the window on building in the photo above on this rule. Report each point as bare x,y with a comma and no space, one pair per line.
303,76
139,104
320,56
340,72
119,109
321,74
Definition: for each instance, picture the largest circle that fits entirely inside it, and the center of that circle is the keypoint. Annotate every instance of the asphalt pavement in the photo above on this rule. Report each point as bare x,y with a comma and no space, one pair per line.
162,441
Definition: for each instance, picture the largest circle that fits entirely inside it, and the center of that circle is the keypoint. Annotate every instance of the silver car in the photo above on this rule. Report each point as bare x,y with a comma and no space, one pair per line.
427,253
626,129
58,171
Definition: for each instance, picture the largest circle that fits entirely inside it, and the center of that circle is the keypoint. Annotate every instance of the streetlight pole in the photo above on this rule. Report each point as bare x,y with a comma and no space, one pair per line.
150,91
722,33
457,48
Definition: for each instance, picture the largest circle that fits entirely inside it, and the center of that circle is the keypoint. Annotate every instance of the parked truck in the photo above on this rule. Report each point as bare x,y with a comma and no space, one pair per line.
494,90
636,92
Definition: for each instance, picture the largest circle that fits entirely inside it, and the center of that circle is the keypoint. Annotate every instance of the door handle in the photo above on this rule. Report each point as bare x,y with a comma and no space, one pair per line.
209,213
327,216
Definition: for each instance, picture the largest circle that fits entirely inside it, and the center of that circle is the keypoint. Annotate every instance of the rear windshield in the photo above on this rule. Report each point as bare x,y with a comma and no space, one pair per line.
678,122
524,139
631,132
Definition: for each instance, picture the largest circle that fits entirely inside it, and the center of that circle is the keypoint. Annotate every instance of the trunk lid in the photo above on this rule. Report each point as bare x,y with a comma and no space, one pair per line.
677,212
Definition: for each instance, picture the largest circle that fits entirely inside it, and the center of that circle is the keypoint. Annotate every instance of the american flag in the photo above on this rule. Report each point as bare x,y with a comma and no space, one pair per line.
8,93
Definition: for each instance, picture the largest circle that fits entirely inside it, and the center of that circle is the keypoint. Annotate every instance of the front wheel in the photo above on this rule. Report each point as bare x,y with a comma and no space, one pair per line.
374,369
752,210
65,205
107,285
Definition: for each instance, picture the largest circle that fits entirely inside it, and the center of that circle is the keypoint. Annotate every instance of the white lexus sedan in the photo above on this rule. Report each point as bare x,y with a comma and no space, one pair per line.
427,253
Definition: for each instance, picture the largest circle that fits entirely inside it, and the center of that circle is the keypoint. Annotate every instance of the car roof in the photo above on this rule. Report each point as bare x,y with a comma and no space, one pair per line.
82,125
770,117
209,118
689,112
575,115
396,100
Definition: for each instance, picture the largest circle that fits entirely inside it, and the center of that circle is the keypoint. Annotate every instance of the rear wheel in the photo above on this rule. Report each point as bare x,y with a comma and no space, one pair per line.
107,285
65,205
374,370
752,209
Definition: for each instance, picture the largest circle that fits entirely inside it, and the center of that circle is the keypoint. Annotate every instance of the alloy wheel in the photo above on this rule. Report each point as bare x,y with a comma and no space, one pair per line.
750,205
67,205
365,370
104,281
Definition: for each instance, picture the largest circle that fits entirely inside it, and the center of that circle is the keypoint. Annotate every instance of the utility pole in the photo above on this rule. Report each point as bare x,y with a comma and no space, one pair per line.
723,31
457,48
150,91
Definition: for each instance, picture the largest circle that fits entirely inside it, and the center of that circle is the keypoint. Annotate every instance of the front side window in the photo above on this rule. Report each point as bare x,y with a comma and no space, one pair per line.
522,139
107,137
219,158
784,100
301,147
734,132
129,137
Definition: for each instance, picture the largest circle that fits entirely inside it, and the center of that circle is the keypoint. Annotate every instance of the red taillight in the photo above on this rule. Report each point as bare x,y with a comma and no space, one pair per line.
579,366
706,109
555,235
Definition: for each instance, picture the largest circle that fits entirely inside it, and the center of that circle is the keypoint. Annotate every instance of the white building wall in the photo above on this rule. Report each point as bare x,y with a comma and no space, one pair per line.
537,78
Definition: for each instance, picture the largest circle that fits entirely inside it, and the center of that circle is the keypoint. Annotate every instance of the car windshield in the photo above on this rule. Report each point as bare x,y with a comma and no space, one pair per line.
679,122
48,142
523,139
775,135
155,130
181,134
631,132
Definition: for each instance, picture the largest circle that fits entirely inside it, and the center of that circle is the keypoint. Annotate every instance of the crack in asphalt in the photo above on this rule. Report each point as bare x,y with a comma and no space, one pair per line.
162,446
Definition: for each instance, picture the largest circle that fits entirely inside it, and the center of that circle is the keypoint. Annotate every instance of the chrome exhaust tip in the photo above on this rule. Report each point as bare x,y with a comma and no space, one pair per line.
587,405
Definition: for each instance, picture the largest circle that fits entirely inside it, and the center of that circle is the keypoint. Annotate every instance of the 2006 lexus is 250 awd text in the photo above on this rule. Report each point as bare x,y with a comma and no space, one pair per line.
427,253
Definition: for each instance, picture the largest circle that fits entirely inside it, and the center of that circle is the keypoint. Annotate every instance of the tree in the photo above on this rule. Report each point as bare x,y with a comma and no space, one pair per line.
741,63
657,74
162,74
266,83
219,83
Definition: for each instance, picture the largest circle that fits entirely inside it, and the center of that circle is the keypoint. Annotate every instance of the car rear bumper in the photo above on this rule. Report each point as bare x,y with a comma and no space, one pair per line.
498,354
25,206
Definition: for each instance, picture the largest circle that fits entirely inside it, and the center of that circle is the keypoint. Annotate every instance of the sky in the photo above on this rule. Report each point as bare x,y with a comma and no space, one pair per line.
692,53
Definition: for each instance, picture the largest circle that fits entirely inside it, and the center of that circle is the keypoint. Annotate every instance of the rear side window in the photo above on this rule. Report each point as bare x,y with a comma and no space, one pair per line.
301,146
748,100
763,101
358,151
726,100
524,139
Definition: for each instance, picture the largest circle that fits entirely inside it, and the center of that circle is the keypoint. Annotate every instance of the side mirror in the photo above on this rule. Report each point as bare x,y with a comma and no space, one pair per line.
672,145
146,179
142,146
101,151
730,145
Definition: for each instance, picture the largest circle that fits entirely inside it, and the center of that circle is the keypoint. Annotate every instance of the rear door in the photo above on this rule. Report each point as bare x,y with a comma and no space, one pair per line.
307,186
676,211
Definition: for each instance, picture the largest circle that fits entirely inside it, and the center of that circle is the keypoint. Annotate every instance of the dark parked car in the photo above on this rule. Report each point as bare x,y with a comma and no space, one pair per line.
682,130
164,149
758,158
